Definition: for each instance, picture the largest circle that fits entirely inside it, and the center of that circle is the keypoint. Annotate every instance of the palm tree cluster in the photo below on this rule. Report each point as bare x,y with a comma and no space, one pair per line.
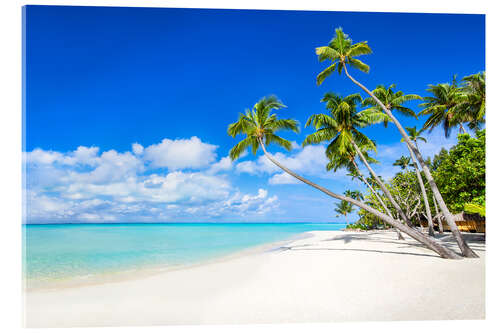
456,104
342,125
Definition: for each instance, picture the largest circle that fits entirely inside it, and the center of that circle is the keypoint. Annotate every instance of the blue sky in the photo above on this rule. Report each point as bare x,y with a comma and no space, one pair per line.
171,80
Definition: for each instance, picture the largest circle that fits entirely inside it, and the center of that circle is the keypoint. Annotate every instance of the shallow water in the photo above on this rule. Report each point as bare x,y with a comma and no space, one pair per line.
62,251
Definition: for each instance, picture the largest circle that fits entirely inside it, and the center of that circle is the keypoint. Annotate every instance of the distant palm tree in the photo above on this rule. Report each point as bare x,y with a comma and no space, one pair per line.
341,128
403,162
357,195
443,107
343,208
341,52
415,136
259,127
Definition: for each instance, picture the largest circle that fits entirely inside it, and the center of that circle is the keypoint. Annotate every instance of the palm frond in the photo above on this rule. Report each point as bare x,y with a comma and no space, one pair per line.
237,150
327,53
358,49
325,73
356,63
272,138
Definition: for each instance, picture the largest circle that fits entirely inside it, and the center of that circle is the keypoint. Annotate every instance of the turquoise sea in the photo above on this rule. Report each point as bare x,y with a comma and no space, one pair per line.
62,251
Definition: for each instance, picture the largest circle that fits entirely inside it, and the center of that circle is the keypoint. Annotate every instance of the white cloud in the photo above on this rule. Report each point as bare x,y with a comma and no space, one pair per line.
224,164
83,185
295,145
180,154
310,160
283,178
82,155
137,148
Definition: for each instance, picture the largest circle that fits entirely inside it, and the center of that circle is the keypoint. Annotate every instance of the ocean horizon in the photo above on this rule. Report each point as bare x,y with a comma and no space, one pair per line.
62,251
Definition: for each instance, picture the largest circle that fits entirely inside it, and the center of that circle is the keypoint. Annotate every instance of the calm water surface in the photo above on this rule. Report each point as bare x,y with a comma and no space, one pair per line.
61,251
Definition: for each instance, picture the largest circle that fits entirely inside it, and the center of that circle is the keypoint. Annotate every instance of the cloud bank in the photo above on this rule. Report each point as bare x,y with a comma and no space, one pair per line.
171,180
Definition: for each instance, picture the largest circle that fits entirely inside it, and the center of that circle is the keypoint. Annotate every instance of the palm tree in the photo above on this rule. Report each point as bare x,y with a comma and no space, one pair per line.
403,162
415,136
343,208
473,107
259,126
357,195
341,128
444,107
392,100
342,52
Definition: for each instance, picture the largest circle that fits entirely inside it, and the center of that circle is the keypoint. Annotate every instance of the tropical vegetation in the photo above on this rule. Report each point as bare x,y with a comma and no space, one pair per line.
453,180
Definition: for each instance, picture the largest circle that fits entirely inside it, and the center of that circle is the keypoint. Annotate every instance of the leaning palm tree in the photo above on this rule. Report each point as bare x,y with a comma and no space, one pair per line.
343,208
259,126
342,52
341,127
415,136
403,162
443,107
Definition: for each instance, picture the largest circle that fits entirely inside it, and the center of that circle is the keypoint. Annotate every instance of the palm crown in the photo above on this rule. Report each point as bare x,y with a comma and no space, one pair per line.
341,52
341,125
403,162
393,100
343,208
259,125
443,106
414,134
357,195
474,105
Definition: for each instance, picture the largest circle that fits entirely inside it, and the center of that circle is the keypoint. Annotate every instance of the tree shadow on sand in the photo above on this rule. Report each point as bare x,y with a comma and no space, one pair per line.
476,242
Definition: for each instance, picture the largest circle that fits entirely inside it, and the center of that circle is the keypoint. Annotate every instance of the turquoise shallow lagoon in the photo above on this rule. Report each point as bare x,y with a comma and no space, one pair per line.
61,251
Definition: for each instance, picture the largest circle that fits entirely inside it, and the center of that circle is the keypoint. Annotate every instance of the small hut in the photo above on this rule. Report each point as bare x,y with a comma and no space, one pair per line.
465,222
468,222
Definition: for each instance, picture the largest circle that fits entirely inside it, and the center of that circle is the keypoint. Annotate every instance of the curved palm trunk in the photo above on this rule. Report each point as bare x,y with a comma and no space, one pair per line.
363,179
464,248
382,186
424,193
415,234
438,217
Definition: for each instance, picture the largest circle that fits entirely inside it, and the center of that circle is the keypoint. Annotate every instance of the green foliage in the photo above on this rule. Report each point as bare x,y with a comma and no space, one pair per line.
393,100
438,159
341,52
259,125
452,105
403,162
475,208
340,126
460,174
343,208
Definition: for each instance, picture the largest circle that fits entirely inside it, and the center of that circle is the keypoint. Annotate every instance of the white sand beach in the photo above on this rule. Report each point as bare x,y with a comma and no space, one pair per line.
331,276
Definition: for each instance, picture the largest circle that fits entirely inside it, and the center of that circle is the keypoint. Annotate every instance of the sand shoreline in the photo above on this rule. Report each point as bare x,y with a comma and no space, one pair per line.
330,276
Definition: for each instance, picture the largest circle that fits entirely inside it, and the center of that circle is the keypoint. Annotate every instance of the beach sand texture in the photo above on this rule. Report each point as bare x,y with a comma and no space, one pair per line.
329,277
